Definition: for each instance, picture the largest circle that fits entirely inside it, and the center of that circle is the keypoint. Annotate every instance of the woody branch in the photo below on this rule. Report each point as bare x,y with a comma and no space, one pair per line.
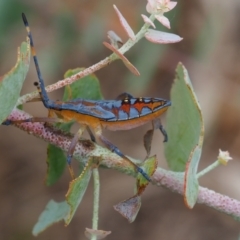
85,148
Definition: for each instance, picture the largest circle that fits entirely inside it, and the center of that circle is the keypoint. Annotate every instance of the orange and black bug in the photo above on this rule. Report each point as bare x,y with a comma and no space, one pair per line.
124,113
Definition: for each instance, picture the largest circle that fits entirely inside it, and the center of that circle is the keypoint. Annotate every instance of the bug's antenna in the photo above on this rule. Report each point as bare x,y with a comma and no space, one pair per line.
40,86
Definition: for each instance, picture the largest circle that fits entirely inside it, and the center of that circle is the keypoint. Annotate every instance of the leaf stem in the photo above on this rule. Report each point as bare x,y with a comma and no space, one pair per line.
87,71
208,169
130,43
96,190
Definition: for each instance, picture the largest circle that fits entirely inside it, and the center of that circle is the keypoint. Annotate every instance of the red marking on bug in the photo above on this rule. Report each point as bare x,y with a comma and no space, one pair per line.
140,105
125,106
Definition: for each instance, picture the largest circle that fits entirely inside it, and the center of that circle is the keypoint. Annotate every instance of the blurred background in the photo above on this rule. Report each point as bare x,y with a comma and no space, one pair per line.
69,34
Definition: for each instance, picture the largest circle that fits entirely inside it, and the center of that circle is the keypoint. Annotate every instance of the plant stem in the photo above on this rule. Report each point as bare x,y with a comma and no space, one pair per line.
130,43
103,63
96,190
173,181
208,169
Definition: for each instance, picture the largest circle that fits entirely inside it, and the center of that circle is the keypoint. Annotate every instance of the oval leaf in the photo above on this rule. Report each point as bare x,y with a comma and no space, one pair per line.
125,24
76,191
53,213
184,122
114,39
11,83
156,36
149,166
56,161
190,178
123,58
163,20
148,20
87,87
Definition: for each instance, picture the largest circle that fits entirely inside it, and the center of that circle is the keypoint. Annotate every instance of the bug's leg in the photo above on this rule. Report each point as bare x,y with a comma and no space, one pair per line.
97,160
114,149
124,95
158,125
72,148
31,120
51,114
164,133
47,120
91,134
147,139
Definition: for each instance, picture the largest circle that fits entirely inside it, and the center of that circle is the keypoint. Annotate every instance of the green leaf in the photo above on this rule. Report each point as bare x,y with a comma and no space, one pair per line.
53,213
56,162
56,158
87,87
184,122
11,83
191,185
76,191
149,167
129,208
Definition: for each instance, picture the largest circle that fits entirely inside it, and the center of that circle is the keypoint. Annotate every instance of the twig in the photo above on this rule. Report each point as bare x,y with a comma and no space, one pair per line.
168,179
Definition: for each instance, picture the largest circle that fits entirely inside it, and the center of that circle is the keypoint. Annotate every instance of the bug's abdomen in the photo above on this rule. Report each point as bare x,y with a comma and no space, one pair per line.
128,109
134,112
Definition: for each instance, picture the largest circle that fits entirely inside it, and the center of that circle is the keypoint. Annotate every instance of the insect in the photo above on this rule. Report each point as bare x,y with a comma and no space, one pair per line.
124,113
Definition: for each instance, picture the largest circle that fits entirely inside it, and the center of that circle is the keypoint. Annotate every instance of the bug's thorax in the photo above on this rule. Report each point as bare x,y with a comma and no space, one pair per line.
69,115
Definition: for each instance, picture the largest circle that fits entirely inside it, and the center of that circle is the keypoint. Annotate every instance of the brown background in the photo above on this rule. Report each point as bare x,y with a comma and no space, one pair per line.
69,34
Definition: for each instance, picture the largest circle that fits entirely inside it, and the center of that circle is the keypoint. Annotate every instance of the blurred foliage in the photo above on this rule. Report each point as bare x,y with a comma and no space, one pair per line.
69,34
11,82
